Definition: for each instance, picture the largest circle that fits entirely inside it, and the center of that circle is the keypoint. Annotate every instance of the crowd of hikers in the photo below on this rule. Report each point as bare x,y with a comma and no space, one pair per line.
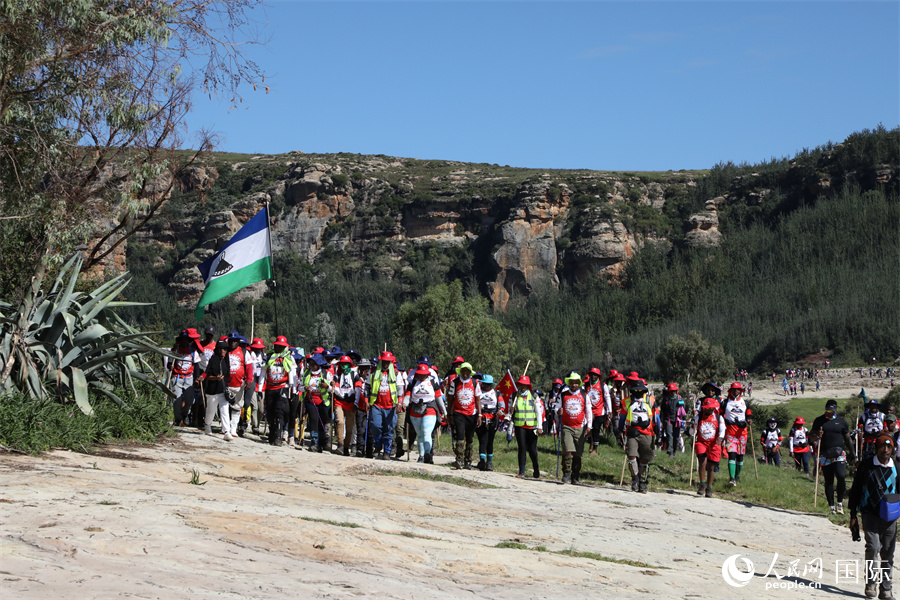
374,409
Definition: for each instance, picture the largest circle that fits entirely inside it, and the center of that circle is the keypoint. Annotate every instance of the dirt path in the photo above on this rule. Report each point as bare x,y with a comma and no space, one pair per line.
834,383
130,524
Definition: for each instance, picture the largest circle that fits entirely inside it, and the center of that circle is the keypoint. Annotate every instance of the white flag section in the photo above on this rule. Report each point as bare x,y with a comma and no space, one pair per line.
244,260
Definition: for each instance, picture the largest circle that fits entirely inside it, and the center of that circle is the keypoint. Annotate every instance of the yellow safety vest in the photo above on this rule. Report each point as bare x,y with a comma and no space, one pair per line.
376,385
525,413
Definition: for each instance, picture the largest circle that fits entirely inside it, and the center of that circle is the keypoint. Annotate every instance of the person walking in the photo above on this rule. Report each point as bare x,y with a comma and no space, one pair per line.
383,400
279,376
187,356
832,434
364,442
317,394
493,410
771,442
465,411
737,418
798,445
872,424
873,496
601,406
426,405
344,404
641,425
526,414
575,418
213,380
672,415
710,428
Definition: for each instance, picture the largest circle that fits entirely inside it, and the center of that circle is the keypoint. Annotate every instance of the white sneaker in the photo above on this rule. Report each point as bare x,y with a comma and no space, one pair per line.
208,431
228,439
840,508
833,510
291,441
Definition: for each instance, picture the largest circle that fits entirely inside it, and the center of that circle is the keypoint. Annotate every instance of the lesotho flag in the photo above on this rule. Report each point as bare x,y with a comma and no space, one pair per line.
244,260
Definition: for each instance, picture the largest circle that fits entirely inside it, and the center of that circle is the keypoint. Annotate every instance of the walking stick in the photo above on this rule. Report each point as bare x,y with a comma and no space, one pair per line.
818,449
693,443
753,449
622,479
557,445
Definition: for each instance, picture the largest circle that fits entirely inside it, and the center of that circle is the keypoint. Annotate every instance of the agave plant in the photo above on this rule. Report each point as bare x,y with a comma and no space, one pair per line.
66,344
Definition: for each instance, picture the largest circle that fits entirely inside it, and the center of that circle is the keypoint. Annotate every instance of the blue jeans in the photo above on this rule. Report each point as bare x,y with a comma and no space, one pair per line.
382,422
183,388
424,426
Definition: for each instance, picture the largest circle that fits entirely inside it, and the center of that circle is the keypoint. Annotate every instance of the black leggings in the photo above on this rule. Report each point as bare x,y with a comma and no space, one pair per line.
839,470
486,433
464,427
526,440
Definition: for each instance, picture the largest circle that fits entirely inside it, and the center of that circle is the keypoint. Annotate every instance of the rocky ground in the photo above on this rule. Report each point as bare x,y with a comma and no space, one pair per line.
834,383
266,522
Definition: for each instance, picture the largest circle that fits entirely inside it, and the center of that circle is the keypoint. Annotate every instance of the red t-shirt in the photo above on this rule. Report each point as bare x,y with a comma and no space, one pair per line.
572,408
385,400
238,364
598,402
465,394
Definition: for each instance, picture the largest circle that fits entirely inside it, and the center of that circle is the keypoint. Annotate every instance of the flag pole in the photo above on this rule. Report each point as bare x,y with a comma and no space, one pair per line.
272,259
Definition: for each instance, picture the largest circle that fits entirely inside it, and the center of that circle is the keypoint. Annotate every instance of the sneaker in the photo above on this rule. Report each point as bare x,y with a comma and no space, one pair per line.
833,510
732,482
291,441
634,484
227,437
490,465
840,508
536,474
575,480
380,457
709,492
208,431
468,466
482,465
567,478
520,475
421,459
701,488
593,450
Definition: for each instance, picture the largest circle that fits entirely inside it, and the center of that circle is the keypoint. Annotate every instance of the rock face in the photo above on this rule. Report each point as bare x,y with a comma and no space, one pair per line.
702,229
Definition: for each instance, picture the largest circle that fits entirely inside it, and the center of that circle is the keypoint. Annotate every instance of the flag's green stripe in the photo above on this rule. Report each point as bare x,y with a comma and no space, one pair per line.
228,284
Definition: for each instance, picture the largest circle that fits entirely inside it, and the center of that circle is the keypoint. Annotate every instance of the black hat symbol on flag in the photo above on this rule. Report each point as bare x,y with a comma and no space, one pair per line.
222,266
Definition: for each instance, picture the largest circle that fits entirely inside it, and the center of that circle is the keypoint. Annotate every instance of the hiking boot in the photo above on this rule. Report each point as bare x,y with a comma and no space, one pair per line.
709,492
380,457
255,431
429,458
468,466
482,465
642,487
421,459
455,465
871,590
840,508
536,474
885,595
593,450
833,510
575,480
346,451
208,431
566,478
701,488
732,482
634,484
490,465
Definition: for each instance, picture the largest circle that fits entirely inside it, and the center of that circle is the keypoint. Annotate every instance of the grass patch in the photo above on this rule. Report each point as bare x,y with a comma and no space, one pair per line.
330,522
578,554
108,503
415,474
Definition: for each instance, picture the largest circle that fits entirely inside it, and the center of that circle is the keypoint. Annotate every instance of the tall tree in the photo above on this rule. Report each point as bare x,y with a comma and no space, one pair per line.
693,359
93,99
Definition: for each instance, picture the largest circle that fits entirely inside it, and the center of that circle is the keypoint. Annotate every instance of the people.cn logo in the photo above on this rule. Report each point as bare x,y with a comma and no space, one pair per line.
732,575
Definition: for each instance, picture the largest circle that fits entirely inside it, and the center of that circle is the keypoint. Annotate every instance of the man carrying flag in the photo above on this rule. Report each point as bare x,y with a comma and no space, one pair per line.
244,260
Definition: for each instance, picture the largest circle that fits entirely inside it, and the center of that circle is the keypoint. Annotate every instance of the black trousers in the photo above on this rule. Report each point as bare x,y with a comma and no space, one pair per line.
836,470
526,440
464,427
277,412
319,419
486,433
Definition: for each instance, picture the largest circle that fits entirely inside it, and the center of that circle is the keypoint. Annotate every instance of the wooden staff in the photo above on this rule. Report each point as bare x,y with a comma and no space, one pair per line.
622,478
818,449
753,450
693,443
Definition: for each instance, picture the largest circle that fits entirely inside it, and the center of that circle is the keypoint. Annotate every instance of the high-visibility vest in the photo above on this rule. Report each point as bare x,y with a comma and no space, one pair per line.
278,380
323,391
376,385
525,414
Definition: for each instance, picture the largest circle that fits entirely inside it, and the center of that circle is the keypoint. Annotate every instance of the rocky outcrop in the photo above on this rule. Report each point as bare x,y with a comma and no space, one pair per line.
603,247
702,228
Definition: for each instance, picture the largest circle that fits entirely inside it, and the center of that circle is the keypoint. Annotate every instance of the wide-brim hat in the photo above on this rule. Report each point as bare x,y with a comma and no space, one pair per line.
465,365
354,354
364,362
573,376
672,387
386,356
710,384
345,360
423,370
595,371
319,360
192,333
258,344
222,344
233,335
711,404
424,359
640,386
487,380
524,380
458,359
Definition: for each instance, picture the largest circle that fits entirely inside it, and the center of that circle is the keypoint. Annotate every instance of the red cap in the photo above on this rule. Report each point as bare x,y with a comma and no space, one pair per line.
596,371
259,344
524,380
799,421
672,387
318,350
458,359
386,356
559,381
423,370
190,333
736,386
280,341
345,360
710,403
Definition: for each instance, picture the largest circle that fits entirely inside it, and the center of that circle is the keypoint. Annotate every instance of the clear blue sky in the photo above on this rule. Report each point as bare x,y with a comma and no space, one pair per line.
598,85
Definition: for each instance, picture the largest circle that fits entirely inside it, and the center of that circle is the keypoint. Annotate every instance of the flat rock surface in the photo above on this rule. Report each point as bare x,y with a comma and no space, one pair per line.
273,522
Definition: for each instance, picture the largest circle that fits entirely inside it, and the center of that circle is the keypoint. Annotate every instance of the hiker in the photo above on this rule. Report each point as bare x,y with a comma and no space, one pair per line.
384,396
241,375
279,375
832,434
344,404
873,495
771,443
617,395
710,434
426,404
554,401
526,413
464,398
872,424
364,442
316,390
601,406
250,412
493,410
182,374
798,445
213,380
672,415
412,436
206,348
575,418
641,424
737,418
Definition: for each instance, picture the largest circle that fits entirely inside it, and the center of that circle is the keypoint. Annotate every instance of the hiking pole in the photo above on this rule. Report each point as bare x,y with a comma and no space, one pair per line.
622,479
818,449
557,445
753,449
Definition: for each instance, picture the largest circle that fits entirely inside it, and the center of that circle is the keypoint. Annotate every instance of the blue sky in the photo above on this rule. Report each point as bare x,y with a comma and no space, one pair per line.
592,84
